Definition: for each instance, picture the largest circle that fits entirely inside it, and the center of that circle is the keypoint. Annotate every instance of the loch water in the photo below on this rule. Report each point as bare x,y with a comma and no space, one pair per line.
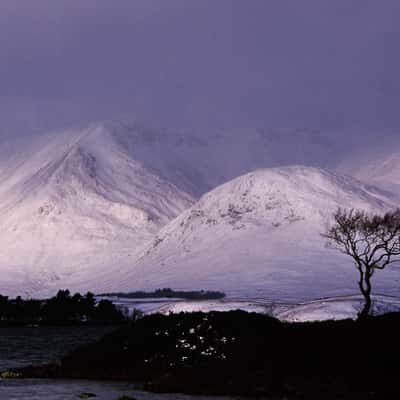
22,346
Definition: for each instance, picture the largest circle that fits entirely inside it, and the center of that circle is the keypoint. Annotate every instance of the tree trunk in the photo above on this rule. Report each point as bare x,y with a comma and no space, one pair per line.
365,287
367,307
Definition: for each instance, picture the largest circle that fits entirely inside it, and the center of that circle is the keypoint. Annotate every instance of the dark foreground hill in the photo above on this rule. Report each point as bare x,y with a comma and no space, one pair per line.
245,354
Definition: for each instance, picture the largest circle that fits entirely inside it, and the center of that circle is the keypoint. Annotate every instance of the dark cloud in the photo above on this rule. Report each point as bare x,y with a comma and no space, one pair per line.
311,63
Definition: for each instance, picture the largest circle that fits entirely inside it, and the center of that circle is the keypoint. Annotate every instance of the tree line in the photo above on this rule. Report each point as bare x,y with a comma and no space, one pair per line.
169,293
63,308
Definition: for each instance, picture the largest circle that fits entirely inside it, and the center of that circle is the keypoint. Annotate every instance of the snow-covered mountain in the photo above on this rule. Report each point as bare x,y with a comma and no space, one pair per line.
83,208
78,204
259,235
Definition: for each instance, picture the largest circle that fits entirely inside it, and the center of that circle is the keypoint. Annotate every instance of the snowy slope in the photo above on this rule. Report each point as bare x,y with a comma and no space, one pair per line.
77,205
379,165
259,236
335,308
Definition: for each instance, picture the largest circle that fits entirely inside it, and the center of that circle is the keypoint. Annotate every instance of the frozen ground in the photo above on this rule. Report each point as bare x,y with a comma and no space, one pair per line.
317,310
334,308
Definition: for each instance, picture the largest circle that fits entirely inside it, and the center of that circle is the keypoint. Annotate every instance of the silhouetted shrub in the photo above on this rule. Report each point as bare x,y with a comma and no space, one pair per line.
60,309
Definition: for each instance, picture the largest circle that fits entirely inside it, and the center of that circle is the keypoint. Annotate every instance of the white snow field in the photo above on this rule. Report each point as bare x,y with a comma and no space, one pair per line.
343,307
112,207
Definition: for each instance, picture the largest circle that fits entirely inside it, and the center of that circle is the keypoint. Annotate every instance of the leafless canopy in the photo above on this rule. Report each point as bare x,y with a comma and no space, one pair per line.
373,242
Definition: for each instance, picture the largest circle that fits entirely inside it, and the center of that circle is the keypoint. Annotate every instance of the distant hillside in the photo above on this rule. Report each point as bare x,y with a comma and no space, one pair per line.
379,165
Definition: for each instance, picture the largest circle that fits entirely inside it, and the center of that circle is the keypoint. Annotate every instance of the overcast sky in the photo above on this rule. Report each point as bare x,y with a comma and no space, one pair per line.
327,64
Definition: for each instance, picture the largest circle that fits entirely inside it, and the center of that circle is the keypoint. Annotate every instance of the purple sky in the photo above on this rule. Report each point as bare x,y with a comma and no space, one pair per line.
198,63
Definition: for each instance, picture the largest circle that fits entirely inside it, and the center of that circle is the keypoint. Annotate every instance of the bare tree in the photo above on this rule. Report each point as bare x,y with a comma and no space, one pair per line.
372,241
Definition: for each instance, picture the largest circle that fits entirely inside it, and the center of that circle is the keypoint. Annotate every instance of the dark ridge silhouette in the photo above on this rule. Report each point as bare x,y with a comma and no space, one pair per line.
169,293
